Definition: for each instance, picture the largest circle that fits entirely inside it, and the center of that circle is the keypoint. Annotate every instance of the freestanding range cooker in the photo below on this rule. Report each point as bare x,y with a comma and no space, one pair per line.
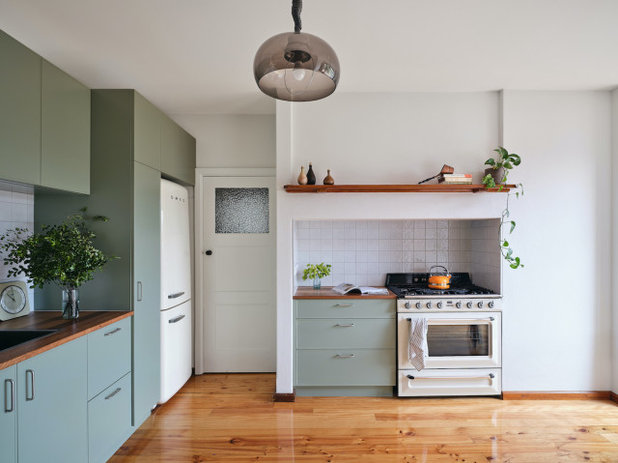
464,331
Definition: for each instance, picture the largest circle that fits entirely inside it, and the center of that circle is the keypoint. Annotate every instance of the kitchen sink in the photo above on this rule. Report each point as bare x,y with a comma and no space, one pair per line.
12,338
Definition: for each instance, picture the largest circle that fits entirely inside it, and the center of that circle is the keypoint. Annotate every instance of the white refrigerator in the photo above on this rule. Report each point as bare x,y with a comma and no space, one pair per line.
176,326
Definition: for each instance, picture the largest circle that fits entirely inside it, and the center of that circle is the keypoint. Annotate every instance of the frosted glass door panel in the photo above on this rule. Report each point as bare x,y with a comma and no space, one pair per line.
241,210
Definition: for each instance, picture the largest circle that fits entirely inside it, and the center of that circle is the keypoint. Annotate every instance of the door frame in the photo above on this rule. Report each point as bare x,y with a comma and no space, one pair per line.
200,173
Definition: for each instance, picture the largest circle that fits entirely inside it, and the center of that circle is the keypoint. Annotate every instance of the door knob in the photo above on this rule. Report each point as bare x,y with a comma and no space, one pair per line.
208,253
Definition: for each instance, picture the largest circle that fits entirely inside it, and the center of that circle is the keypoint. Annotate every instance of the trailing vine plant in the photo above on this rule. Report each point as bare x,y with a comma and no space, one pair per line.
505,161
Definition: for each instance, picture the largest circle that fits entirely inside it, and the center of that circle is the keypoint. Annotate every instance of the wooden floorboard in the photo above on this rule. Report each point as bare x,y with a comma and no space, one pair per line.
232,418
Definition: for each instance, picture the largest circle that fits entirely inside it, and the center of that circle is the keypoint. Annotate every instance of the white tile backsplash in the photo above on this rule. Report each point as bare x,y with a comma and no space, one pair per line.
16,210
364,251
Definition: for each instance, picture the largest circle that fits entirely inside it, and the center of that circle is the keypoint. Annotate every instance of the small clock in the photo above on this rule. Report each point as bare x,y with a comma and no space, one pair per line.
13,300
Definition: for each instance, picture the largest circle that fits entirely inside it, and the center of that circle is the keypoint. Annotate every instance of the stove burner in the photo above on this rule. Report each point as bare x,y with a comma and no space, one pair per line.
415,285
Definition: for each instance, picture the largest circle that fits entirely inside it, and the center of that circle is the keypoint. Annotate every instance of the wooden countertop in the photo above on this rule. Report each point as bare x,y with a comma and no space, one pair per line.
307,292
88,321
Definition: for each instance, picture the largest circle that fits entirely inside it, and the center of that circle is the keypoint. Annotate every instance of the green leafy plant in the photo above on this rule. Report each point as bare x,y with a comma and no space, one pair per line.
505,220
63,254
505,161
314,271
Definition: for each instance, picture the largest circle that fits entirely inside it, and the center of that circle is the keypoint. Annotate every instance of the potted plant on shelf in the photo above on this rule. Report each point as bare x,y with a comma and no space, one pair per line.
63,254
497,175
316,272
499,169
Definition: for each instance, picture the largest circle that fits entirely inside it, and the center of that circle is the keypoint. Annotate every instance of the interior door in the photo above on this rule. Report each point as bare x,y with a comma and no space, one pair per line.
238,257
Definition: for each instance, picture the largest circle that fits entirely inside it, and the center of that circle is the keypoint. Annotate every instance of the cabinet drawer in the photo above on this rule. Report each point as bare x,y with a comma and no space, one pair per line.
337,333
109,355
450,382
109,420
346,308
346,367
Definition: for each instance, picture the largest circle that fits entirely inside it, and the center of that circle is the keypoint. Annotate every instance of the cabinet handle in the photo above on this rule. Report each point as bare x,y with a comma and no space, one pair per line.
175,295
31,374
11,384
350,325
176,319
139,291
344,356
344,305
112,332
118,389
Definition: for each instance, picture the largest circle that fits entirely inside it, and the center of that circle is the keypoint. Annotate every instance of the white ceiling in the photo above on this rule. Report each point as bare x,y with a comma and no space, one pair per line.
196,56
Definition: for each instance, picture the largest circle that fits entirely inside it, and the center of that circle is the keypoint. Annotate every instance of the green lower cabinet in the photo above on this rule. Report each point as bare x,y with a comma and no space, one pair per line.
345,347
108,355
8,415
52,405
109,420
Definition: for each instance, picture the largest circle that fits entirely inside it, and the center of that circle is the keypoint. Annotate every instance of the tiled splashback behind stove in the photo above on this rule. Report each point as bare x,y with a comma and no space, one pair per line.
16,210
364,251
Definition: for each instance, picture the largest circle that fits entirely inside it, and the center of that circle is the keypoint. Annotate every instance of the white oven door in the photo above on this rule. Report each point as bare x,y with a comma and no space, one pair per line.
455,340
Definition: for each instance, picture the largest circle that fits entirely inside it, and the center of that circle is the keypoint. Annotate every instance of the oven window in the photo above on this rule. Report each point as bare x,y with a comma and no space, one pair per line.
458,340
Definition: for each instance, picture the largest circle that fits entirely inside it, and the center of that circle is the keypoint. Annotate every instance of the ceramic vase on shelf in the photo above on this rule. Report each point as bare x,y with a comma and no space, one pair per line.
310,176
496,174
70,303
329,180
302,177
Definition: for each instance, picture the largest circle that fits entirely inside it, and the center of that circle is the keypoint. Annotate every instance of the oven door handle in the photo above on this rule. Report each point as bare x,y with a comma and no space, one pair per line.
490,377
451,321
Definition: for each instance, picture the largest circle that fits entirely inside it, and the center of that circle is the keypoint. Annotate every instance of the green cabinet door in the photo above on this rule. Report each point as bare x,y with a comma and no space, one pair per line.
20,112
8,415
52,405
147,132
65,131
177,152
146,291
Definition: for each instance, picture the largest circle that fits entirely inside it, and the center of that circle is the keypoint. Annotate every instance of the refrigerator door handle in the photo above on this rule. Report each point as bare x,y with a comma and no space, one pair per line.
139,291
176,319
175,295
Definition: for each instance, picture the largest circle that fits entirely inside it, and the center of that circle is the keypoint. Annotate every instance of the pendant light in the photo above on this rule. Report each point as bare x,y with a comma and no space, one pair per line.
296,66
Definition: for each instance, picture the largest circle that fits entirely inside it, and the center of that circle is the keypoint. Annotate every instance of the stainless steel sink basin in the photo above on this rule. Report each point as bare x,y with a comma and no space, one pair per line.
12,338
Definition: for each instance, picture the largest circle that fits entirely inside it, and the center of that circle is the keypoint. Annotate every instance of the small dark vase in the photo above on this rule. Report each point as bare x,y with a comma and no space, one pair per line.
310,176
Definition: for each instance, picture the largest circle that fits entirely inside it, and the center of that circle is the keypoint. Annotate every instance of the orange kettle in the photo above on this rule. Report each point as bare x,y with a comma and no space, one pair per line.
439,280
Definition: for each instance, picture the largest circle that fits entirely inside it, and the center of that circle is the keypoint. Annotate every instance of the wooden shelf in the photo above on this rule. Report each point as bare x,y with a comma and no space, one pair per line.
425,188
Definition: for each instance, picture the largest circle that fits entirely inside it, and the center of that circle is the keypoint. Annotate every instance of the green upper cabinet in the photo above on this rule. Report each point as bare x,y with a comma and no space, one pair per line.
147,132
65,131
44,122
20,112
177,152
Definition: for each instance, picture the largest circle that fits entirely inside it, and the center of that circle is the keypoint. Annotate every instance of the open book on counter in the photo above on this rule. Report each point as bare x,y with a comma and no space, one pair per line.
348,288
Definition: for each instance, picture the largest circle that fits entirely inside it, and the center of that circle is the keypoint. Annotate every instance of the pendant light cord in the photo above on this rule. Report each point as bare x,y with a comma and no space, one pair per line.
297,6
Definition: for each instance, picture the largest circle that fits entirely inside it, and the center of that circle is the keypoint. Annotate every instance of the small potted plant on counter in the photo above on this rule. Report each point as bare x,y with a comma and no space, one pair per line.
316,272
63,254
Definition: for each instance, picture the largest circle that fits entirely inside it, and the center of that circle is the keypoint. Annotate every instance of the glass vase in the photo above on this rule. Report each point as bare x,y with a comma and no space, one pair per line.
70,303
317,283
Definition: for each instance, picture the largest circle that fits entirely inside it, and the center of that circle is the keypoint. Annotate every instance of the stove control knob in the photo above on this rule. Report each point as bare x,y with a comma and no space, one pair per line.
491,304
429,305
407,305
458,304
480,304
469,305
439,305
419,305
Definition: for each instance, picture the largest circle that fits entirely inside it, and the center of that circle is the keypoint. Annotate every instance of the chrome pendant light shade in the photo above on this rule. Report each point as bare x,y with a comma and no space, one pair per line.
296,66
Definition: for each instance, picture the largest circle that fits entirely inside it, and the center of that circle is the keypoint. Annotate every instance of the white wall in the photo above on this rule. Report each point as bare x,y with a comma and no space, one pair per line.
232,140
554,339
615,239
561,301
